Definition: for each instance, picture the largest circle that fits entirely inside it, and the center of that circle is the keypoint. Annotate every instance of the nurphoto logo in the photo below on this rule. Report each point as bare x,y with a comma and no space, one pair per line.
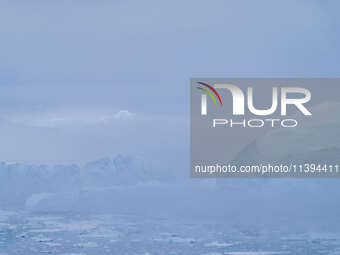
295,96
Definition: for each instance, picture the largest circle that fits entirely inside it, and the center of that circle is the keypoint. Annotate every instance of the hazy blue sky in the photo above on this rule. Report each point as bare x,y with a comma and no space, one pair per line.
85,79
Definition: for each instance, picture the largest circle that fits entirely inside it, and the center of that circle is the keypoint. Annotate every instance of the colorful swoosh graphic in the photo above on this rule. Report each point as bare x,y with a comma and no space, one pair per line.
209,93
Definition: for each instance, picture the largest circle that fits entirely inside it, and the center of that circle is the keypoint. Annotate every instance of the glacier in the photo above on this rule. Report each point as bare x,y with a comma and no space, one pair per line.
128,205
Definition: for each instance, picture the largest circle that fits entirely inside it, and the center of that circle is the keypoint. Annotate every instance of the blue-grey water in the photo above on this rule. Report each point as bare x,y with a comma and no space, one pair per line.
71,234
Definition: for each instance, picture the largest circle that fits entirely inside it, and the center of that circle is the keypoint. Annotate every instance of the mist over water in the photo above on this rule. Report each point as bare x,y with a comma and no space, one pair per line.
94,128
109,207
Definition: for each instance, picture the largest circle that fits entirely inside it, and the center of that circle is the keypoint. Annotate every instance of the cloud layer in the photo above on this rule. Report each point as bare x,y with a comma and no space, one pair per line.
134,60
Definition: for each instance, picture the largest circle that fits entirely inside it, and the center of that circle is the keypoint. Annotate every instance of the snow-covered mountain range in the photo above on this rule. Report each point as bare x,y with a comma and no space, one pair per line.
19,181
